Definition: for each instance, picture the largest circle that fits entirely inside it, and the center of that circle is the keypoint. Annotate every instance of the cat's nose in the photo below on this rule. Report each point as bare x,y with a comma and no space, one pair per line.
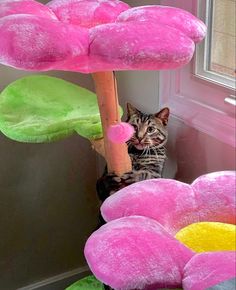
140,139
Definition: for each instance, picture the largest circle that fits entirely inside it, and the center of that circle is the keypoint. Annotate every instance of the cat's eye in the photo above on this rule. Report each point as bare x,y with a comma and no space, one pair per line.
135,127
151,129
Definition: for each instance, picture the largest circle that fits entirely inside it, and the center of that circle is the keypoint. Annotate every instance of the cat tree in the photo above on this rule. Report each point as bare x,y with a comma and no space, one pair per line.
163,233
86,36
98,37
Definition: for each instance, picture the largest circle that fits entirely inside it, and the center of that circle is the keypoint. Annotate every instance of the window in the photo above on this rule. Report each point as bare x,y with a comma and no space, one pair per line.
215,58
201,94
223,37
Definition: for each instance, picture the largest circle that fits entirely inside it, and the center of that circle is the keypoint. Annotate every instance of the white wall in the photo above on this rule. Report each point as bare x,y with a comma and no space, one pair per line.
194,153
139,88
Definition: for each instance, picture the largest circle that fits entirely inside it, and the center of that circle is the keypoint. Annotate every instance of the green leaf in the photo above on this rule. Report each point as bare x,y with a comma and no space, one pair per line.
40,108
87,283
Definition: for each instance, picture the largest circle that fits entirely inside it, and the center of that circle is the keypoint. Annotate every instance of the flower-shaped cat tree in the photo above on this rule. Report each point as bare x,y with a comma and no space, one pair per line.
88,36
137,248
163,233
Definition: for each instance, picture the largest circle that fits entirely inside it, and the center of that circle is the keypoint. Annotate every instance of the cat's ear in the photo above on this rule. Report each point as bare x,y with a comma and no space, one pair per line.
131,110
163,115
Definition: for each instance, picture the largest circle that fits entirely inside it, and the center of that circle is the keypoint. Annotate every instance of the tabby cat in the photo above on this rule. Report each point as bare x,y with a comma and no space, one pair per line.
146,149
147,152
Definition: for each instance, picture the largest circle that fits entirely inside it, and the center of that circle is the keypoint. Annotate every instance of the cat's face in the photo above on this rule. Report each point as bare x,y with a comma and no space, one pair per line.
150,130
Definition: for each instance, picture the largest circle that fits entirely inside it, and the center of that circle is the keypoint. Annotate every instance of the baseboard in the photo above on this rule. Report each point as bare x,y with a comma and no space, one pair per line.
59,282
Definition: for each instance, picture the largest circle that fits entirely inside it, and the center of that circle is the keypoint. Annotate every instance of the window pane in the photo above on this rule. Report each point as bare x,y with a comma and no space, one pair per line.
222,52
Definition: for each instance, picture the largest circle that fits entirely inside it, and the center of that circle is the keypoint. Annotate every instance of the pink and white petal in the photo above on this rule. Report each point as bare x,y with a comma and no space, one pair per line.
138,46
33,43
178,18
208,269
216,196
87,13
174,204
136,253
170,202
10,7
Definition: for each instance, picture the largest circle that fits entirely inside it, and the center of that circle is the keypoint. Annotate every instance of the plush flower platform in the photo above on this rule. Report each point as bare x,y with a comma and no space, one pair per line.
99,37
167,234
95,35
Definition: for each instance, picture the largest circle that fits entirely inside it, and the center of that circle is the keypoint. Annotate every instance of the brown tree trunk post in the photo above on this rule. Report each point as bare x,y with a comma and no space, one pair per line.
117,158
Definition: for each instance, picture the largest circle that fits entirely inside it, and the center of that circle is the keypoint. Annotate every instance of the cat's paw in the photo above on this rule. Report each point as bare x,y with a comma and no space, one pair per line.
126,175
116,178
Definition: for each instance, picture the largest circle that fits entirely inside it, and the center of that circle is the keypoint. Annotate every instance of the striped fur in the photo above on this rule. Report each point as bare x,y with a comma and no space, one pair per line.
146,149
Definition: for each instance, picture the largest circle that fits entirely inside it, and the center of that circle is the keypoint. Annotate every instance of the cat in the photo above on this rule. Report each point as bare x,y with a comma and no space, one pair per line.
146,149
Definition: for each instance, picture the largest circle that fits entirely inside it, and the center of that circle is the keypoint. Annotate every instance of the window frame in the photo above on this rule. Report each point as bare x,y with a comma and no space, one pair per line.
194,100
202,62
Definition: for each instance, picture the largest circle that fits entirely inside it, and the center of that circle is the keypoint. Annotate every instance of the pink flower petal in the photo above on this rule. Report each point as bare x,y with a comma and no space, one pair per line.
216,196
9,7
136,252
174,204
134,45
169,202
87,13
180,19
34,43
208,269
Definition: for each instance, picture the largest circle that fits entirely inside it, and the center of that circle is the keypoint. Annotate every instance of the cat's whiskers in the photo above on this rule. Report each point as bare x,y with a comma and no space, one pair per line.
148,150
128,143
143,153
